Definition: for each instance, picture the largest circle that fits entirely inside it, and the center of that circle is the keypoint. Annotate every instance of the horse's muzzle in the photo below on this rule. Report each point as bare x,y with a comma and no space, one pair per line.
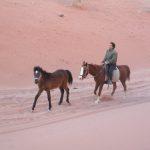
80,77
36,81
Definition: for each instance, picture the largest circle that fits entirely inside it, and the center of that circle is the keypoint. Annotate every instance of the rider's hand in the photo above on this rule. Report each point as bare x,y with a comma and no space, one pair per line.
106,62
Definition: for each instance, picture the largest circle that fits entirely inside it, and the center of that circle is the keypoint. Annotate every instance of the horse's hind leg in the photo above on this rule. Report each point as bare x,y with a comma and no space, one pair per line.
49,99
124,86
96,87
114,88
67,92
62,95
36,97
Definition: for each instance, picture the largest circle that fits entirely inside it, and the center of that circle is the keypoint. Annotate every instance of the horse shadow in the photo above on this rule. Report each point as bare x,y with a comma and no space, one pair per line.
107,98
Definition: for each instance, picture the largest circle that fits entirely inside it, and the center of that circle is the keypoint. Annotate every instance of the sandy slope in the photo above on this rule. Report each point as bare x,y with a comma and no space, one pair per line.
32,33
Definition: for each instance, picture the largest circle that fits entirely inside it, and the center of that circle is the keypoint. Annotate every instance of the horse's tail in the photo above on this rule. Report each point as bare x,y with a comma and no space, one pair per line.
70,78
128,73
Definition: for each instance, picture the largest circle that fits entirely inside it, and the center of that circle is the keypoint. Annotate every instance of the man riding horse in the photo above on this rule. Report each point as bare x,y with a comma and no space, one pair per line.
110,61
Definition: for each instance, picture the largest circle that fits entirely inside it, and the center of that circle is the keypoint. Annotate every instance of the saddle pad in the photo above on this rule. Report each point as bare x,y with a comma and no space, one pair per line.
116,75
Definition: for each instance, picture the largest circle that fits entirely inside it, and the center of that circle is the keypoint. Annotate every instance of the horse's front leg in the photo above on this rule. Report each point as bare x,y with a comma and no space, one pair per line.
36,97
67,99
99,93
62,95
49,99
96,87
114,88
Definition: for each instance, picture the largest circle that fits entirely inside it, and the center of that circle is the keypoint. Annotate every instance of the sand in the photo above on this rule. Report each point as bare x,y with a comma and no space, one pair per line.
124,128
33,33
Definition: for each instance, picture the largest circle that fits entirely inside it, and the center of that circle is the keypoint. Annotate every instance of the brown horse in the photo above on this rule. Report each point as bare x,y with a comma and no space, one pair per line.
99,74
48,81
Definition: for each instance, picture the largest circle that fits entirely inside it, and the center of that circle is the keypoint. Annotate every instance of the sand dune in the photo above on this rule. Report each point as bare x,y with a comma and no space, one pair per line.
32,33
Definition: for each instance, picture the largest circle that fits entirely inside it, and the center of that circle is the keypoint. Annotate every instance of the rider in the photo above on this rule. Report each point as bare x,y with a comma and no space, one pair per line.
110,61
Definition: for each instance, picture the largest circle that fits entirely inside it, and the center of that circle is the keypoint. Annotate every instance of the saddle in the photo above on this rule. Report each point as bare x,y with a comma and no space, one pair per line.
115,75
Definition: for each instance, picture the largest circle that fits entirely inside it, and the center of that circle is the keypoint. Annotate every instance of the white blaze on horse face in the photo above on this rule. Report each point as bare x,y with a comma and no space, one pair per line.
81,73
36,73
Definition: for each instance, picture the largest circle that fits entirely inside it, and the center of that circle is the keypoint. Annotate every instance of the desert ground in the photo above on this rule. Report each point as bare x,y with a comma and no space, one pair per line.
33,33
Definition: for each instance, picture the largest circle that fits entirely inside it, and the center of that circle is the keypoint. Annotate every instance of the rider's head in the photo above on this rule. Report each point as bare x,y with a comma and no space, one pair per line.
112,45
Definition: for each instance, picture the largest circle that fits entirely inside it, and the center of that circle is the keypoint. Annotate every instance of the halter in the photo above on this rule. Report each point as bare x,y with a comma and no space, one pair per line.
35,77
82,74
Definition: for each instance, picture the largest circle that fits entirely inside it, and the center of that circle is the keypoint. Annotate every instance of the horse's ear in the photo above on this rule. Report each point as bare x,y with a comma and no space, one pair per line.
86,64
34,68
37,68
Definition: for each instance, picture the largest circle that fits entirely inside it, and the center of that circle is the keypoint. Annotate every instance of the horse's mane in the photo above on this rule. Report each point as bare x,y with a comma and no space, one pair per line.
45,74
96,66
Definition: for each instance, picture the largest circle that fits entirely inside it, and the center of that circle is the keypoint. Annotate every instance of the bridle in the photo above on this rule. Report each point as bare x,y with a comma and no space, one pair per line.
37,76
84,72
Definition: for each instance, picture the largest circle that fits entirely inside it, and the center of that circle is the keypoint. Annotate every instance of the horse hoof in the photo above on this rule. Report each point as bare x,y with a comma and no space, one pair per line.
59,103
32,110
97,101
69,103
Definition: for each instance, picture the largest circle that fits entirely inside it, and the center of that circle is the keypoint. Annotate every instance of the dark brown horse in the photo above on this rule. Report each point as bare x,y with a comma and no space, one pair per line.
48,81
98,72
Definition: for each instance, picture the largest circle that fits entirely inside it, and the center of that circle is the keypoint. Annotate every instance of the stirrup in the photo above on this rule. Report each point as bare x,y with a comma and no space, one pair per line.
109,82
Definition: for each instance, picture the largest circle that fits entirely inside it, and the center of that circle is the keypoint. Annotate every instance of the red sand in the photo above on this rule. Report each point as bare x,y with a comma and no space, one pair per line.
32,33
123,129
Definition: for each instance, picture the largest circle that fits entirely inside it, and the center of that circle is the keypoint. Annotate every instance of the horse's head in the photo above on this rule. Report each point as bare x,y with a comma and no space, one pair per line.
37,74
84,71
